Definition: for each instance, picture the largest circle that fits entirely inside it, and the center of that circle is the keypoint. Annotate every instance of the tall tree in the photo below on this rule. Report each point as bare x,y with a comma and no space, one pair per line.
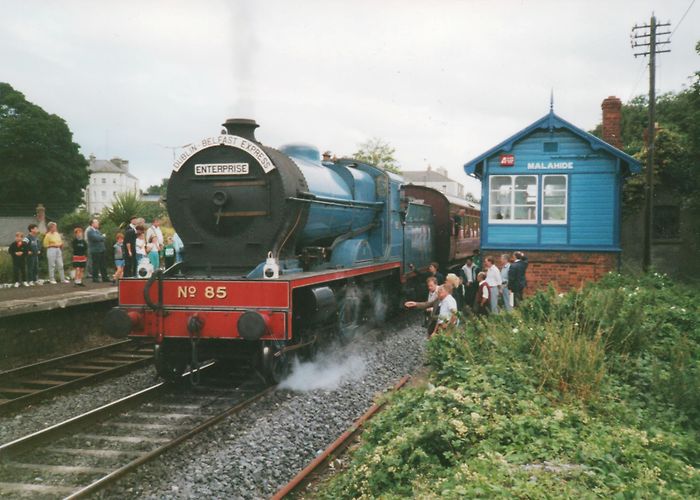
39,162
471,197
379,153
160,189
677,157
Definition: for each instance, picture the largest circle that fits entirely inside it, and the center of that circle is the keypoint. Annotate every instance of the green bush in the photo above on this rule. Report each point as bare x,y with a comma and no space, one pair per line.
5,266
568,361
127,205
69,222
589,393
124,207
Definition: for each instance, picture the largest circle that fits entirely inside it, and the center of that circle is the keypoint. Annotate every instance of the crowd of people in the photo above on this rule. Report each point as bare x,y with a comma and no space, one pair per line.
135,246
474,290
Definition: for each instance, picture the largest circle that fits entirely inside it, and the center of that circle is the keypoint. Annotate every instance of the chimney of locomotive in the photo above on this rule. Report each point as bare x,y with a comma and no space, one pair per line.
241,127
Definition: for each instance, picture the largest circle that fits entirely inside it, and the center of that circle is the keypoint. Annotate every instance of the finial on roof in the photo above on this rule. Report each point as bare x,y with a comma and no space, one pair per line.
551,100
551,110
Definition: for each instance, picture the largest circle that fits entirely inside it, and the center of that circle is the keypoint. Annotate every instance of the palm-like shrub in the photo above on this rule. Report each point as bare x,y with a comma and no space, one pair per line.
124,207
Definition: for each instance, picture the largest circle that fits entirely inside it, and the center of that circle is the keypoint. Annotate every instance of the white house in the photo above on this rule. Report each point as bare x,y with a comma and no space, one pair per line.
436,179
107,179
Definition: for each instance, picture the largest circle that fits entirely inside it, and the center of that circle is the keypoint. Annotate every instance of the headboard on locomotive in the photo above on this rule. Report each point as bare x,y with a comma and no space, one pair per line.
226,199
234,201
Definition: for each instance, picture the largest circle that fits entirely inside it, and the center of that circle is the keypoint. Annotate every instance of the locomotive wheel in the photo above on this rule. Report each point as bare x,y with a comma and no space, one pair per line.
168,367
309,352
349,315
379,304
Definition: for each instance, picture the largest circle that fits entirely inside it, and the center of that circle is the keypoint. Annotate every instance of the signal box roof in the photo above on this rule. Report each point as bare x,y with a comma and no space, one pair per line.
552,121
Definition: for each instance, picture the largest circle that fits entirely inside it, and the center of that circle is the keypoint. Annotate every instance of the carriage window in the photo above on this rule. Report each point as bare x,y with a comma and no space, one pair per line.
554,198
513,198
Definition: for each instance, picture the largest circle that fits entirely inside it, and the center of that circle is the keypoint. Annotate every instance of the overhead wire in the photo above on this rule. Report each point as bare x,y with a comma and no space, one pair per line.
639,79
682,17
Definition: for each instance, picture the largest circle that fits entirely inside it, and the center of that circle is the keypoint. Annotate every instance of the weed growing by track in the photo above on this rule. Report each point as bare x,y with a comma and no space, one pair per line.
589,393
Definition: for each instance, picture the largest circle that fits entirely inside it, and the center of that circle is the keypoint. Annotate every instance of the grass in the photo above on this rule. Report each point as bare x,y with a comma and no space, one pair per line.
594,393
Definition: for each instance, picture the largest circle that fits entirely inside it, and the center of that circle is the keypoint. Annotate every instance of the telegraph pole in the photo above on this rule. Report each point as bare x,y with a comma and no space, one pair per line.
646,36
174,148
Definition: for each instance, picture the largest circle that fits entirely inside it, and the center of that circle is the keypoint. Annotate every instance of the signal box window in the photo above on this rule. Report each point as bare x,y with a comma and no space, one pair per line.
513,199
554,199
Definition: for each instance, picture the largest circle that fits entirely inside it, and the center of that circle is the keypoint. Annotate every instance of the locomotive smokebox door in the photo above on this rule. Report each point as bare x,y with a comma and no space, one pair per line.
230,199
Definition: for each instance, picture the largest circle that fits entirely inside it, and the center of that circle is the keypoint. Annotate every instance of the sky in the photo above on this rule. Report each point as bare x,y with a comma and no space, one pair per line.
441,82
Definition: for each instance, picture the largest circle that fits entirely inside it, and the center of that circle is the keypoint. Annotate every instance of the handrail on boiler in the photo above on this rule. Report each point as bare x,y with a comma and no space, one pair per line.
338,202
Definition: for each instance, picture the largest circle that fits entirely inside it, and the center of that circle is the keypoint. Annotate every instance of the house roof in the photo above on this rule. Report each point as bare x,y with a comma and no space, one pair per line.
107,167
10,225
150,197
552,121
462,202
425,176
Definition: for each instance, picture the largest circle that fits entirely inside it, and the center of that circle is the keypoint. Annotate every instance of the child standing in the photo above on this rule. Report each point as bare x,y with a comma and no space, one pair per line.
483,296
32,241
19,250
79,255
169,253
140,245
153,253
118,258
179,248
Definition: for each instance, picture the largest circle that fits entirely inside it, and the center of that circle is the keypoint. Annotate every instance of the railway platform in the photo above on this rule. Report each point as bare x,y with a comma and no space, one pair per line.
26,300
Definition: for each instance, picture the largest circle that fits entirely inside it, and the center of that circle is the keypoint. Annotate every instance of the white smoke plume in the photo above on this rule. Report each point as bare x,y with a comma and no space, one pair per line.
328,371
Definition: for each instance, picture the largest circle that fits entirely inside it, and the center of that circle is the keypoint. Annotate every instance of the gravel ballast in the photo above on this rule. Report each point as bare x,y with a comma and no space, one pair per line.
254,453
65,406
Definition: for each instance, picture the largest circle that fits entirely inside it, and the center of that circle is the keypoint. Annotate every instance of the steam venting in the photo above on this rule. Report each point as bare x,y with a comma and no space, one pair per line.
328,372
380,308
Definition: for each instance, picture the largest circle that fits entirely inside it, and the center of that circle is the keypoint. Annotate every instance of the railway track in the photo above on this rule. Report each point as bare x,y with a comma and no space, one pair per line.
28,384
78,457
297,485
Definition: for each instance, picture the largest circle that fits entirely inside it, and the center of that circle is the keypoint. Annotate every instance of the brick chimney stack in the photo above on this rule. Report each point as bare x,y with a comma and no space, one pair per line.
612,115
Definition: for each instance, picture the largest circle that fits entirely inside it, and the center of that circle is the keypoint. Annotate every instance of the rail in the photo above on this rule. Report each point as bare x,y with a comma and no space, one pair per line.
129,432
31,383
334,449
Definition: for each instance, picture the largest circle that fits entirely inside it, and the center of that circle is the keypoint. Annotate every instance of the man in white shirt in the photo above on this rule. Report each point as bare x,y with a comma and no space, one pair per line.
155,230
448,309
469,274
494,280
427,306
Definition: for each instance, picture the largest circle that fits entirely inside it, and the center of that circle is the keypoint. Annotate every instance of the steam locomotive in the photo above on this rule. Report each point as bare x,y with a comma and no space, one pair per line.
283,252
